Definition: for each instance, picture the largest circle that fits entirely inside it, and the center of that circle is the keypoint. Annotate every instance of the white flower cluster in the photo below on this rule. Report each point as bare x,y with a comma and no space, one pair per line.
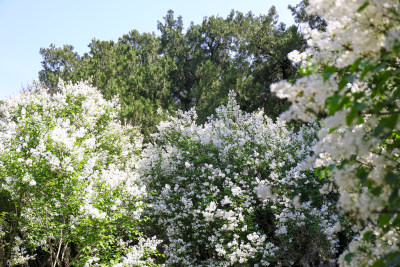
19,252
221,193
363,252
357,31
69,168
138,255
349,35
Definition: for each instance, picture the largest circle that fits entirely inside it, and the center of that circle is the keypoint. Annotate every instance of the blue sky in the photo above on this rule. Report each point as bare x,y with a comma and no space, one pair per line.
28,25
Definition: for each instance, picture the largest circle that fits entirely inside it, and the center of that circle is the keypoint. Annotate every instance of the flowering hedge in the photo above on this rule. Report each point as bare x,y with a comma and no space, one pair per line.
232,192
352,82
67,175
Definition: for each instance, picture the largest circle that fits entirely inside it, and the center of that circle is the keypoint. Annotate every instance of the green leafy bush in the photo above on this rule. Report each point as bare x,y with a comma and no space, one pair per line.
67,176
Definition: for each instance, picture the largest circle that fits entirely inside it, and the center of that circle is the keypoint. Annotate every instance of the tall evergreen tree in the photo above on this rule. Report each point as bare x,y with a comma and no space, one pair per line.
184,69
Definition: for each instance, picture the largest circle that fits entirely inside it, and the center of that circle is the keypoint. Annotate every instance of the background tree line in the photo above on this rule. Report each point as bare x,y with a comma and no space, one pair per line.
180,69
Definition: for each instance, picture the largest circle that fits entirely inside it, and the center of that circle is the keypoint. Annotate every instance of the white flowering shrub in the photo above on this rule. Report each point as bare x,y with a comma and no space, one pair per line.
67,171
221,194
352,82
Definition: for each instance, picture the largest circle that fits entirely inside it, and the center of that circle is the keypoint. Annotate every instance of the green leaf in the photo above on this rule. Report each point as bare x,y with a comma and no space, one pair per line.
349,257
365,71
360,106
350,78
376,191
388,122
382,78
350,117
360,120
394,195
392,121
355,65
391,178
384,219
328,71
368,235
345,102
342,84
331,130
318,172
332,103
378,129
396,221
362,173
378,263
363,6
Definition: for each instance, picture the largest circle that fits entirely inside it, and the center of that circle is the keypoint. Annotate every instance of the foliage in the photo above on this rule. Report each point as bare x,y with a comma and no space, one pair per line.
244,53
130,68
301,16
181,70
231,192
67,176
352,83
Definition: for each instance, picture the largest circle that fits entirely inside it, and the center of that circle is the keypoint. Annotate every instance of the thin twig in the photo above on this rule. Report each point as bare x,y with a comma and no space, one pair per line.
64,249
59,248
49,240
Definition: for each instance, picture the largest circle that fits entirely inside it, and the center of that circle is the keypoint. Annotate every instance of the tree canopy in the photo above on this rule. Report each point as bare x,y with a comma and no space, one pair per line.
180,69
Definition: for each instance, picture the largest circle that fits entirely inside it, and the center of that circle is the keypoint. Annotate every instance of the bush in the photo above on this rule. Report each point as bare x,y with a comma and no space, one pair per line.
232,192
352,82
67,172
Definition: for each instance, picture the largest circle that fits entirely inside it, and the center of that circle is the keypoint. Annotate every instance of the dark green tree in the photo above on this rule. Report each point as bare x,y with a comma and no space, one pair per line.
131,68
265,62
184,69
59,63
244,53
